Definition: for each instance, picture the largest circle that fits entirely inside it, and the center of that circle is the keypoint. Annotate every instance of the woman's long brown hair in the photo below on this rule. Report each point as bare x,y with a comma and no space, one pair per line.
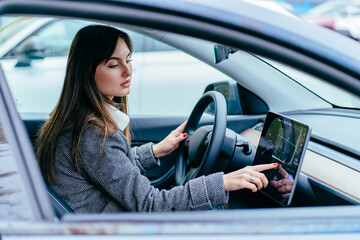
80,101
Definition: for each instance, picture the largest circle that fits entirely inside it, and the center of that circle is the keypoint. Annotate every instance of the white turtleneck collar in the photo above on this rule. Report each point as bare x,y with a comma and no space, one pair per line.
121,119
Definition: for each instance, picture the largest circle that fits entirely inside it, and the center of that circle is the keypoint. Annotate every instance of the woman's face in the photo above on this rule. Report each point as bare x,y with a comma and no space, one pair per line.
113,77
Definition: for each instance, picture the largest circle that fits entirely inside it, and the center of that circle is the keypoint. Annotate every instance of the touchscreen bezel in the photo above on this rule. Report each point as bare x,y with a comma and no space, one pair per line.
271,191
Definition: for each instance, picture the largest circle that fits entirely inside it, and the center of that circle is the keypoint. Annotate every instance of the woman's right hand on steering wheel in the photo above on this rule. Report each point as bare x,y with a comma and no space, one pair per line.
249,177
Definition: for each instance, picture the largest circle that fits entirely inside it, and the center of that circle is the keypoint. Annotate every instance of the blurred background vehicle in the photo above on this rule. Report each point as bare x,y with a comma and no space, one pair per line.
342,16
299,6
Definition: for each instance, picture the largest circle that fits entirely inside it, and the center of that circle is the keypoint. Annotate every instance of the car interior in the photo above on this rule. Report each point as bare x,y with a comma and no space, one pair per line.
254,85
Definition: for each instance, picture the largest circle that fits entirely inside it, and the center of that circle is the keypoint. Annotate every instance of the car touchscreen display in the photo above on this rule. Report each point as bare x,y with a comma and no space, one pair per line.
283,141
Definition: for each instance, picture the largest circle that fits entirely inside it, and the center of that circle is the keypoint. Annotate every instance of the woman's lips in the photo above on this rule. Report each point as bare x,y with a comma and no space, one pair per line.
126,84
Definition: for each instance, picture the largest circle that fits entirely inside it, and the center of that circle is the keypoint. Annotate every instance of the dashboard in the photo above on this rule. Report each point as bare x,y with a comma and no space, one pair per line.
331,166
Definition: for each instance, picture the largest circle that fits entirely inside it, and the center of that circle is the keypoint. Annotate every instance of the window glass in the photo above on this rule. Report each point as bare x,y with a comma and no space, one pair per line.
53,37
165,81
57,36
169,83
146,44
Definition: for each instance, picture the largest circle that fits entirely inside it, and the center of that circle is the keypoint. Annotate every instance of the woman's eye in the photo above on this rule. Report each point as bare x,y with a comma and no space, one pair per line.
129,60
112,66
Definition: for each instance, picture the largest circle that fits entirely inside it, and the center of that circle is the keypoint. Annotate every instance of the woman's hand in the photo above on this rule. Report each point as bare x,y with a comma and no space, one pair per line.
171,142
249,177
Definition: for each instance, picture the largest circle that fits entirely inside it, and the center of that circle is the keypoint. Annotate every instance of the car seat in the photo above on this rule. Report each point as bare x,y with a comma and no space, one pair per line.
60,206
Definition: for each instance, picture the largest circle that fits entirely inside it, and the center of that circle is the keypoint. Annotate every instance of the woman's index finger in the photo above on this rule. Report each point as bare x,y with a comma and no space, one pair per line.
263,167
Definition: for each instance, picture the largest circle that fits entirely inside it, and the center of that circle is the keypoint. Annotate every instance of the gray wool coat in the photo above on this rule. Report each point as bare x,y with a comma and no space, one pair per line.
110,179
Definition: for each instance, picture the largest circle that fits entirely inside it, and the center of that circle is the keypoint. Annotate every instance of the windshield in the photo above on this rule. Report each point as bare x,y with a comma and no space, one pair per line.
326,91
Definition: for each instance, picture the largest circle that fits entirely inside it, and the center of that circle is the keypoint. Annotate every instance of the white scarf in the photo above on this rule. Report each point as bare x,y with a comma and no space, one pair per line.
121,119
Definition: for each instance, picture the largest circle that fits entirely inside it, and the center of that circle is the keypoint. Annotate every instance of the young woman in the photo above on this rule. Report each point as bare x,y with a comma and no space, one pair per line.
84,148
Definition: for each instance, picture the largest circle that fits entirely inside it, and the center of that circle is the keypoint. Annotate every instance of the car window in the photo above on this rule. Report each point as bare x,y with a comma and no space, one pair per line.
163,81
146,44
57,36
54,37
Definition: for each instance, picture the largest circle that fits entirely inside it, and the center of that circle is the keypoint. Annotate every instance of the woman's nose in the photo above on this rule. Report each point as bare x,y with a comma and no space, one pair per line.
127,70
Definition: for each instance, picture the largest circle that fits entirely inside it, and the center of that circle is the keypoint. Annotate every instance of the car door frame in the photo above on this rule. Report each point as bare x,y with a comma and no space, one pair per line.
24,154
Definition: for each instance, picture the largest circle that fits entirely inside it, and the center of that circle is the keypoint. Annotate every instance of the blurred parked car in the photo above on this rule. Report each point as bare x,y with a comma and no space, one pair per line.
342,16
302,6
265,61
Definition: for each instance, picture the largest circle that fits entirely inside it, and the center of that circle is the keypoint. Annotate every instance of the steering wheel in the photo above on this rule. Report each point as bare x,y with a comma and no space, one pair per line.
197,154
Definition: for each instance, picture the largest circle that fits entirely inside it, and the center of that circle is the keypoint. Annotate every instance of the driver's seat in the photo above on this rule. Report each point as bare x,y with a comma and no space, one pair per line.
60,206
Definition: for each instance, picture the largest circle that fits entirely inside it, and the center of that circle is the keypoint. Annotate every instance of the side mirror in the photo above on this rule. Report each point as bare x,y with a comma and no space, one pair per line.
231,93
30,49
